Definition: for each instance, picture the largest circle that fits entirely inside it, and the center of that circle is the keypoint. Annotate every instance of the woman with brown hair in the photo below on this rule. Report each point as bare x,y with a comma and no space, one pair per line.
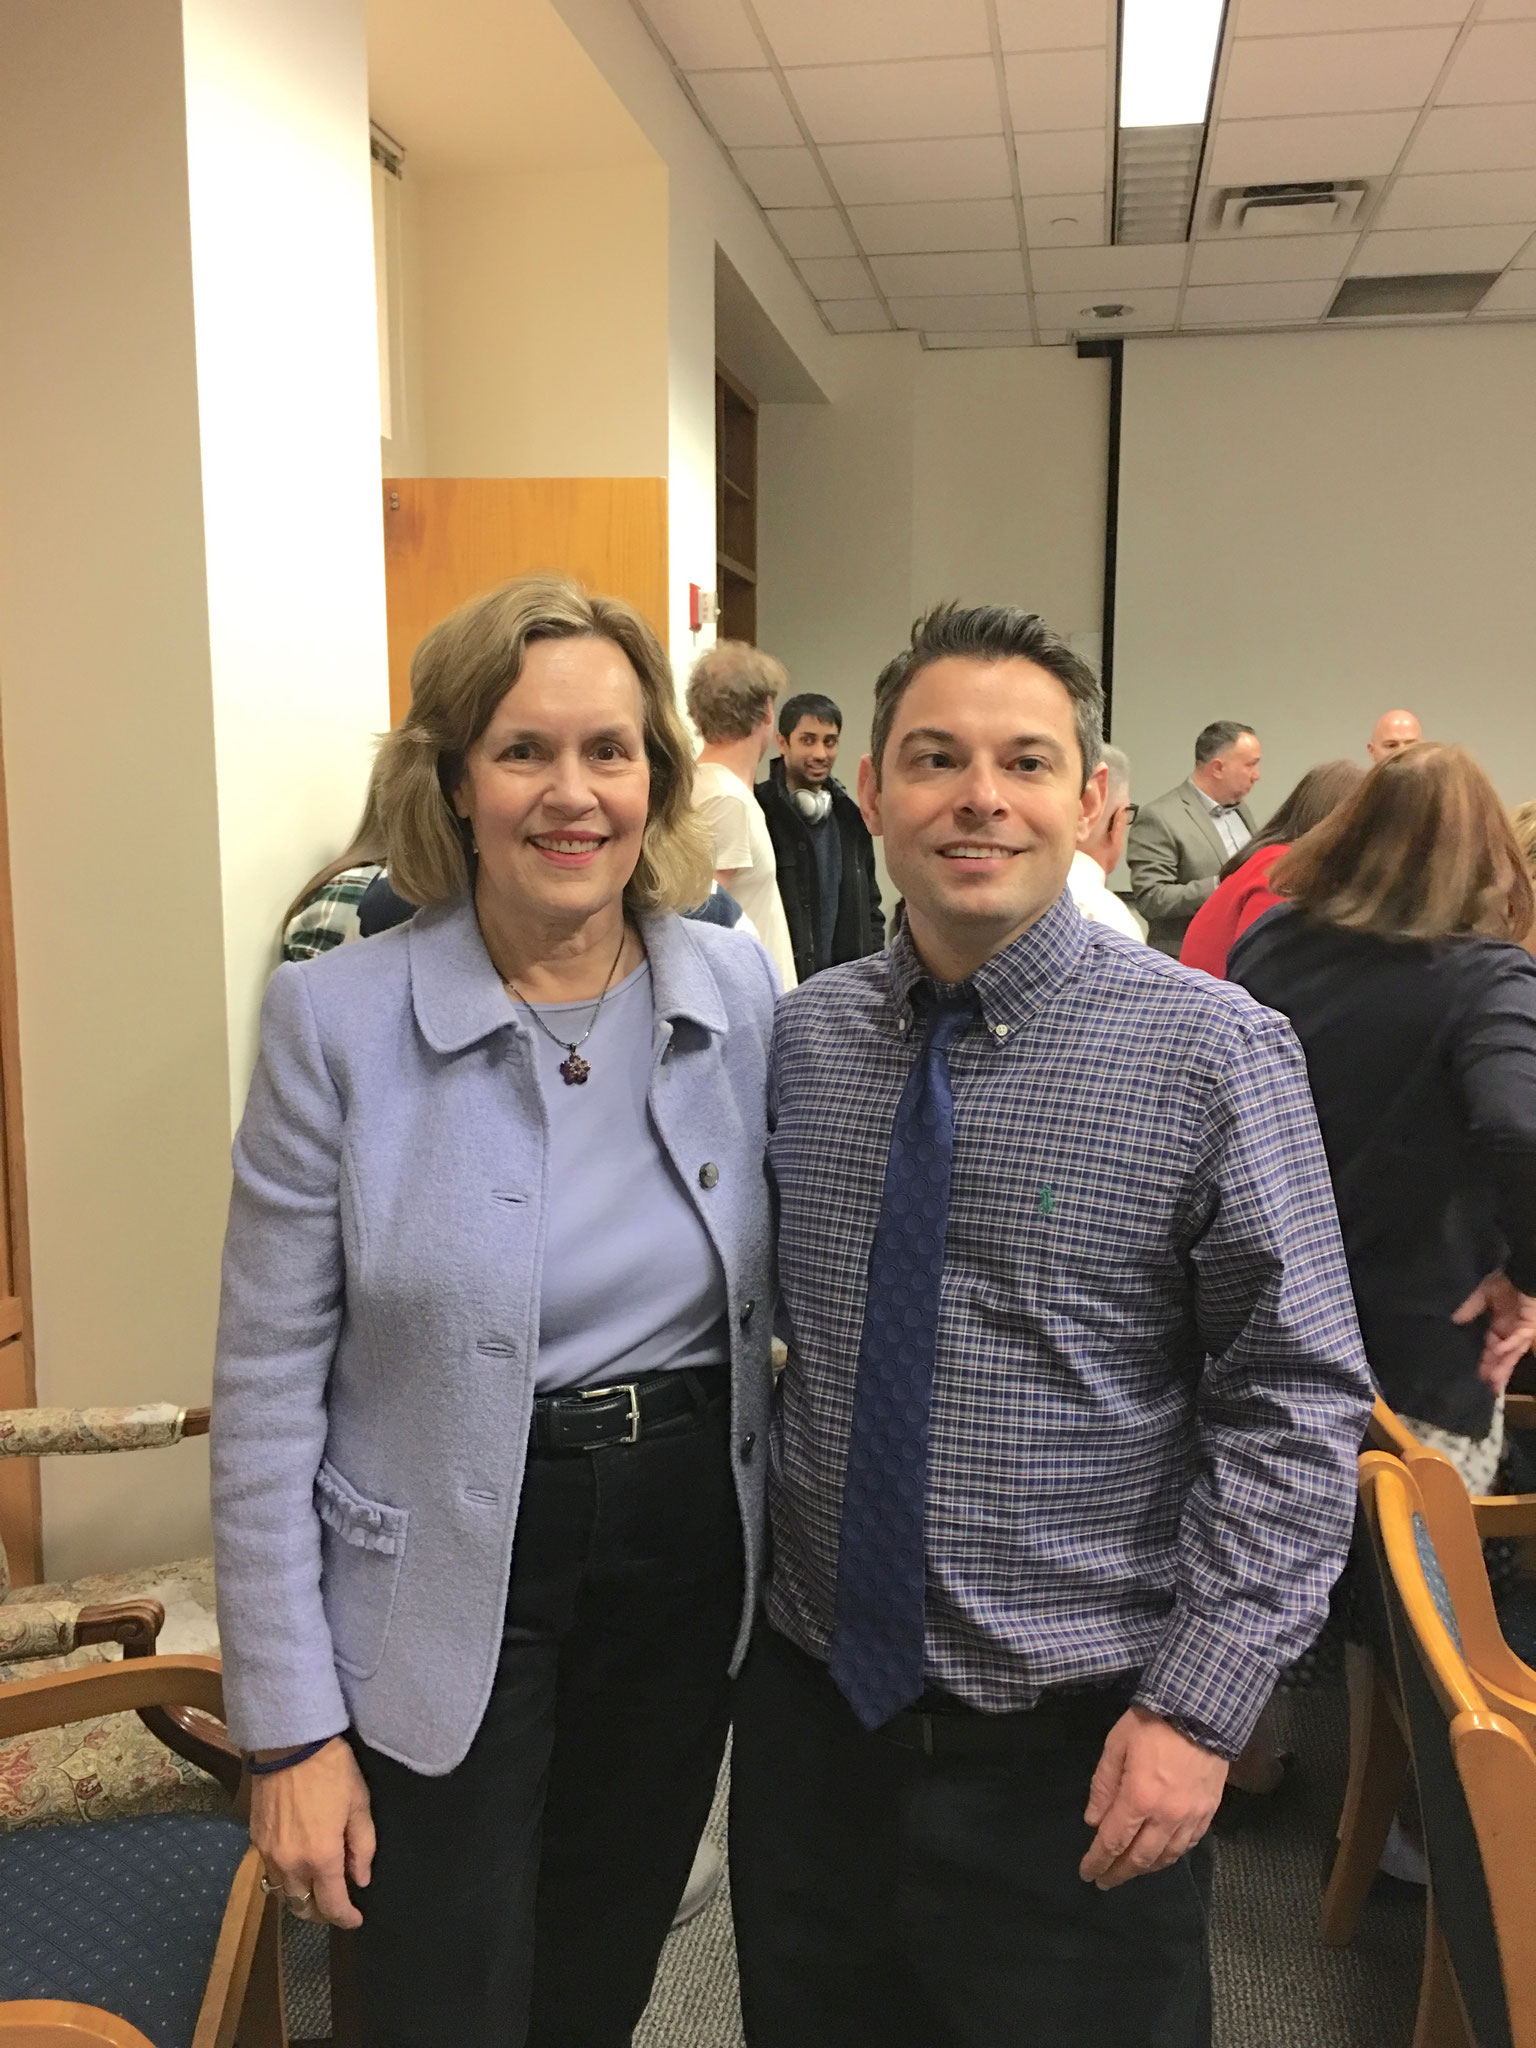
1243,892
1401,961
493,1377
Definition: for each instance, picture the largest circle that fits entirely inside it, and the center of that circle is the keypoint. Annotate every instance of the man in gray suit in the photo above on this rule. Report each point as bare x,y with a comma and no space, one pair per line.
1180,842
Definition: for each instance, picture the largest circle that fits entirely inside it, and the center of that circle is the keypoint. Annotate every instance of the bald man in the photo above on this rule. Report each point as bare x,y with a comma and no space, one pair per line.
1392,730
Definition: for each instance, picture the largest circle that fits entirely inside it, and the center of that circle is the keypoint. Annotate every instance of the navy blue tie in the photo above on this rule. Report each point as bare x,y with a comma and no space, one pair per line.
876,1657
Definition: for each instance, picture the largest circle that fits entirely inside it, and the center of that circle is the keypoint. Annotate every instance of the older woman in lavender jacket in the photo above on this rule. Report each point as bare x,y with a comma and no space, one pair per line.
493,1358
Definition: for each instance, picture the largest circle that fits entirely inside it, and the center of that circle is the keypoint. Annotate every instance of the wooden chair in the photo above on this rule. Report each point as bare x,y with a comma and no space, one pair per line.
1378,1746
1476,1774
195,1957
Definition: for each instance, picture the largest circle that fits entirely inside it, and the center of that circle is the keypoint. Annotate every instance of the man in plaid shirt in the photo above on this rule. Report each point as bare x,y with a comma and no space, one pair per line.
1063,1465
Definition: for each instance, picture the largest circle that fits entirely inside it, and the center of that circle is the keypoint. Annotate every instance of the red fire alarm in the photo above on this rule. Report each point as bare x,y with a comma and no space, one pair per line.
695,607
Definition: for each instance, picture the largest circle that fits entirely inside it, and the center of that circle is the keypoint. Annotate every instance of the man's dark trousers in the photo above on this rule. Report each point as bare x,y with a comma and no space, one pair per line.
885,1898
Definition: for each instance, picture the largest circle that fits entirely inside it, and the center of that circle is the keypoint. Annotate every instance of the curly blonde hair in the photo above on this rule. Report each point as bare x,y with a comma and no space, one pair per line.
460,673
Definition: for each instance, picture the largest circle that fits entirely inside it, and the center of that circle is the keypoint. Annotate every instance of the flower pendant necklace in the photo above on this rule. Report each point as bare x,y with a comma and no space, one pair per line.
573,1068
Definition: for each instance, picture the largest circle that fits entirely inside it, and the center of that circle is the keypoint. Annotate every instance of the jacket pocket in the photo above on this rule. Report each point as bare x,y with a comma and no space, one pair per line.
362,1545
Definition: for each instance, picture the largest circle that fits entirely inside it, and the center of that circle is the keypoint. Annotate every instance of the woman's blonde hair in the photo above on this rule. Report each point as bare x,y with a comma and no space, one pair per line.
1523,824
460,673
1422,850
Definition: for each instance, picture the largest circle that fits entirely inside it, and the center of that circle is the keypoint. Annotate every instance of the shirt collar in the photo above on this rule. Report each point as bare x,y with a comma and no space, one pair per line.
458,996
1216,810
1014,983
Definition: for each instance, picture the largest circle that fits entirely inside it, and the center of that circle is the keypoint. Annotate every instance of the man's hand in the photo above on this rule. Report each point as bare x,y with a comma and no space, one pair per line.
1152,1798
1511,1328
314,1829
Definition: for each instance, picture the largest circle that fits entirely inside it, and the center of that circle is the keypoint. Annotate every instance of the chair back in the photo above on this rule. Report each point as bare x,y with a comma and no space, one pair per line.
1474,1770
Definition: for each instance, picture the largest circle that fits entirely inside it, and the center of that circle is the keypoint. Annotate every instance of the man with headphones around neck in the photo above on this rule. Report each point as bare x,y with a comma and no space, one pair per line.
826,858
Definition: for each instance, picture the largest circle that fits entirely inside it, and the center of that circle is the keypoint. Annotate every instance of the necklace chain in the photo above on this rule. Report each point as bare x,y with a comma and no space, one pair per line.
573,1070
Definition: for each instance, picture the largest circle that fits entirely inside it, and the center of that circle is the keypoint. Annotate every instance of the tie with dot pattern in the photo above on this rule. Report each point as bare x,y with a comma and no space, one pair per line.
876,1658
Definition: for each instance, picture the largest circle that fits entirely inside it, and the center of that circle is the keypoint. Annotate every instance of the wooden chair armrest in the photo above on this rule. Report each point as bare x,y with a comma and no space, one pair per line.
134,1623
65,1696
1504,1514
83,1432
1520,1411
60,2023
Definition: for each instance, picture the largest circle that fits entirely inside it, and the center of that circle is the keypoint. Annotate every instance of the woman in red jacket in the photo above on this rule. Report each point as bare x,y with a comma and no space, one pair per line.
1242,891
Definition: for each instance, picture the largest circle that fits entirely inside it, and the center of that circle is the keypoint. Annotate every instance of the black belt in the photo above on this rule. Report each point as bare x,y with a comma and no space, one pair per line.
622,1412
1056,1720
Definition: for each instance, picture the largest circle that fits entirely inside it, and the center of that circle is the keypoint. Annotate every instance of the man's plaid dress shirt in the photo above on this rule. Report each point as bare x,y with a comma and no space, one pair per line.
1149,1388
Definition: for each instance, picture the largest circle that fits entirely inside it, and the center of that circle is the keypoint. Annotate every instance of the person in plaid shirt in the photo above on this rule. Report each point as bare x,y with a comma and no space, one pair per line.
1063,1464
324,913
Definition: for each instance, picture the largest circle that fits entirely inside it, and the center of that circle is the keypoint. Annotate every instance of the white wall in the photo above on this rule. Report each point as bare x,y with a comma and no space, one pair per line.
1316,528
191,647
288,413
543,314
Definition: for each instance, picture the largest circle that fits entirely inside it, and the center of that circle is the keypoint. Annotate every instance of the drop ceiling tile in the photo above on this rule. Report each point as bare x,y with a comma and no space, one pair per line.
1053,24
1508,10
837,277
1476,139
978,338
1075,310
855,316
745,108
1459,199
941,224
1495,64
1270,259
1001,311
1052,89
1106,272
1515,292
1526,260
1064,222
1238,305
864,31
1414,252
781,177
1307,147
1075,162
1308,17
875,173
811,230
899,102
704,35
975,270
1333,74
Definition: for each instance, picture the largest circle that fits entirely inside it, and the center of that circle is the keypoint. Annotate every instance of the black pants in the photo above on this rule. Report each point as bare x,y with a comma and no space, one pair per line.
525,1896
888,1899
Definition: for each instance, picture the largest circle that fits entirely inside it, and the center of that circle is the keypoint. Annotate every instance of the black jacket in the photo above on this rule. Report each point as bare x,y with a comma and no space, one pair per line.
1422,1060
860,920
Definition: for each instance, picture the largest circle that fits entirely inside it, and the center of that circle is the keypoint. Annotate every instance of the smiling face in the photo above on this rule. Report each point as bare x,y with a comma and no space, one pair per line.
557,787
981,803
809,752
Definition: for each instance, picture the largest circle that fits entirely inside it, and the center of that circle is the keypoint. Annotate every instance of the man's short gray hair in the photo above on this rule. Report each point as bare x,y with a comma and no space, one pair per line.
1119,766
1226,732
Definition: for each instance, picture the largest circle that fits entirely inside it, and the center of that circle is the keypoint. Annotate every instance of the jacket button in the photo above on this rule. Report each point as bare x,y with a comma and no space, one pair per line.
709,1174
746,1444
747,1308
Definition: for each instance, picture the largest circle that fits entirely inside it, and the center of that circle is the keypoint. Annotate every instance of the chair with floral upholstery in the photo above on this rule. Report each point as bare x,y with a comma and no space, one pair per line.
109,1766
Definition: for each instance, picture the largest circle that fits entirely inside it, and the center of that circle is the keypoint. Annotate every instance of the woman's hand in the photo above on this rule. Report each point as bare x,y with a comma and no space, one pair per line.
314,1829
1511,1328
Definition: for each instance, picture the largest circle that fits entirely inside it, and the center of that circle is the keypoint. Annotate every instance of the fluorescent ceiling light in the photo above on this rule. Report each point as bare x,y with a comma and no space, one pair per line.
1167,54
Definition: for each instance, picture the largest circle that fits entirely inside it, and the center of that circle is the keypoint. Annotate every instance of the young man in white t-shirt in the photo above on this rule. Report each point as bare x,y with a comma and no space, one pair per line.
731,696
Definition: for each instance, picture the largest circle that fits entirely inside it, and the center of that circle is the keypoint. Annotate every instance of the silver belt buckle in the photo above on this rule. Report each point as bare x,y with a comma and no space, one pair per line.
604,1393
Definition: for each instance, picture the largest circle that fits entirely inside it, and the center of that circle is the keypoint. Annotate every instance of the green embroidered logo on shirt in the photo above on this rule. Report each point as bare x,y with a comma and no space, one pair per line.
1047,1201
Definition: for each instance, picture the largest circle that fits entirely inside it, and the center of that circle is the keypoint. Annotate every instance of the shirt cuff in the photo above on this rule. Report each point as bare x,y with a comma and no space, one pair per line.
1208,1684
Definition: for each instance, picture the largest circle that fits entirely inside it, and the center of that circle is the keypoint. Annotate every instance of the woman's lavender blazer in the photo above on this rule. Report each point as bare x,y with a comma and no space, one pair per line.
380,1321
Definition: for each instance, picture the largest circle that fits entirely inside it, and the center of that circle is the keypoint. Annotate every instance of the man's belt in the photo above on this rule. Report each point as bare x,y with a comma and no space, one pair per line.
1057,1720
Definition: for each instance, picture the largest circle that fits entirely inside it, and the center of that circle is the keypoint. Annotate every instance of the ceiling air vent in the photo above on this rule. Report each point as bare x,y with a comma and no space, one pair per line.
1311,209
1157,170
1370,298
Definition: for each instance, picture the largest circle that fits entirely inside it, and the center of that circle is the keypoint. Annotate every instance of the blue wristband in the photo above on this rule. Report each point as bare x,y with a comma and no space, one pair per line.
301,1755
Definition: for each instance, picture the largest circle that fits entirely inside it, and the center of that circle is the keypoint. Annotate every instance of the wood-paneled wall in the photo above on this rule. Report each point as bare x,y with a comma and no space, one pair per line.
448,538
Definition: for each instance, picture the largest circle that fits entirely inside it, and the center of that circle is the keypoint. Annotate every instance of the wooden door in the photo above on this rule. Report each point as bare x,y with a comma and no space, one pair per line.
20,1493
448,538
